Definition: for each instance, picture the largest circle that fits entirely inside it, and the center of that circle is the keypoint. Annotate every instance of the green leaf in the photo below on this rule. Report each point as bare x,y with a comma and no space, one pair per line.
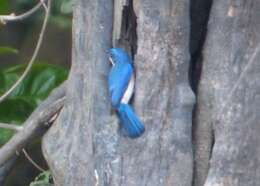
4,6
66,6
31,91
13,111
8,50
61,21
37,84
42,179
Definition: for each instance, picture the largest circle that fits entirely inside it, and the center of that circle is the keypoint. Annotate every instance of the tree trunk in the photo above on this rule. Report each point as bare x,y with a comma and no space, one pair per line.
229,99
84,145
82,142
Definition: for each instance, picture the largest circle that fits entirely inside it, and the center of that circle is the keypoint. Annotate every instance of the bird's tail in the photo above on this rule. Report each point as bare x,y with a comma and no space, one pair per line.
129,121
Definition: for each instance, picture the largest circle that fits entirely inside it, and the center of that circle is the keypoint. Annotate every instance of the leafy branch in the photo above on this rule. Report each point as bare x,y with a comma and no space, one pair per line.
45,114
37,48
12,17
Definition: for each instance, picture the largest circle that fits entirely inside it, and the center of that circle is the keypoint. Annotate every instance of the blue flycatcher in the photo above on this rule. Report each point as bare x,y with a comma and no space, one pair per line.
121,87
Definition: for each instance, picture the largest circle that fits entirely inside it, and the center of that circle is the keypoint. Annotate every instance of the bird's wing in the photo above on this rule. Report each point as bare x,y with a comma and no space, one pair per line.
118,80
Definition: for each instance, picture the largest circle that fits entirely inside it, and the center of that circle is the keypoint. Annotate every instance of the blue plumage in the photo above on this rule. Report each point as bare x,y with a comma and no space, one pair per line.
129,121
119,82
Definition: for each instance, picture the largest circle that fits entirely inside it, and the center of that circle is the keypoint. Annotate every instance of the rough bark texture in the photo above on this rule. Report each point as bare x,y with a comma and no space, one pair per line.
163,100
84,146
229,99
81,144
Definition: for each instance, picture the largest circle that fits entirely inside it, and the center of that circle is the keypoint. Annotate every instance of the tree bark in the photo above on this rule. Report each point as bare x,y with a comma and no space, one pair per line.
163,97
84,146
82,142
228,99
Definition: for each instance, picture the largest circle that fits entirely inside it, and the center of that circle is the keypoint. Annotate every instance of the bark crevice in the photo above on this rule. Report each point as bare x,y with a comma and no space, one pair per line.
202,136
199,17
227,97
128,35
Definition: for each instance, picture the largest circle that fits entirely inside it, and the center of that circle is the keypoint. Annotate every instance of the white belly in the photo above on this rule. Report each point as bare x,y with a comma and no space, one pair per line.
129,91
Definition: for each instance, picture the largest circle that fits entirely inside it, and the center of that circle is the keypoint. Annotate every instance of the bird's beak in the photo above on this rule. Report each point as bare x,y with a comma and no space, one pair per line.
111,61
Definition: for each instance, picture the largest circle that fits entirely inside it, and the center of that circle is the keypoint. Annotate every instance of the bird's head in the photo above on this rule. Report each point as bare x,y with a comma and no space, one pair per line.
118,55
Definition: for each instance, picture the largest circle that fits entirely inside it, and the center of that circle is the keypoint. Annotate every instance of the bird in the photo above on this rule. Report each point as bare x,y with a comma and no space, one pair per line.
121,81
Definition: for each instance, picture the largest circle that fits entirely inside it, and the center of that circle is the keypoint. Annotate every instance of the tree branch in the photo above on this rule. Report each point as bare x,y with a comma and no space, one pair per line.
12,17
6,168
11,126
35,53
37,121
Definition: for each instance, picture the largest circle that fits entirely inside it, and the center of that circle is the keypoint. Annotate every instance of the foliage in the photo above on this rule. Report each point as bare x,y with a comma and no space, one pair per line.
32,90
42,179
59,6
60,14
4,6
42,78
7,50
66,6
